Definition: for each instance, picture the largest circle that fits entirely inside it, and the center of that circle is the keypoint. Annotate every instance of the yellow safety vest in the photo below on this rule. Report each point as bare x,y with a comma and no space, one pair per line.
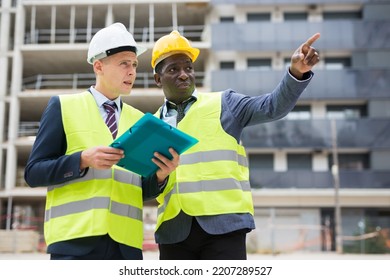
103,201
213,175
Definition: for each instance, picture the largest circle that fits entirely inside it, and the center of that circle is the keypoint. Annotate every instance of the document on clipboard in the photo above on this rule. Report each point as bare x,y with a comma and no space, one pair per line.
148,135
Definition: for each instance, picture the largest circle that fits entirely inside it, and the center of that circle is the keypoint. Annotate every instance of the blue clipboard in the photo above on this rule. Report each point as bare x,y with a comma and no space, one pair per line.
148,135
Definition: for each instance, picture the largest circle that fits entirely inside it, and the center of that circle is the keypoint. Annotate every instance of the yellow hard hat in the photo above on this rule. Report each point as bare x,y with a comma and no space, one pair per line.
172,44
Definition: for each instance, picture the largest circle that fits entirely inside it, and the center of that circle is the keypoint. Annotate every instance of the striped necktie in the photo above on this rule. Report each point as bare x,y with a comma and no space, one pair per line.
180,108
180,111
110,108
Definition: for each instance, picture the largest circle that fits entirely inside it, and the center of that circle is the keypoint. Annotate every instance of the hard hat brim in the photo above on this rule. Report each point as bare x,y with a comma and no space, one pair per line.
138,51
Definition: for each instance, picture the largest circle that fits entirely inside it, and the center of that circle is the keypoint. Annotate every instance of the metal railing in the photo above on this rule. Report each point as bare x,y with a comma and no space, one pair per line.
309,179
84,80
83,35
28,129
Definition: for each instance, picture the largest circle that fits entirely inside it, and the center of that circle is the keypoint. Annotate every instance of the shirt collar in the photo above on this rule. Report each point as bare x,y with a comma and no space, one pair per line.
194,96
100,98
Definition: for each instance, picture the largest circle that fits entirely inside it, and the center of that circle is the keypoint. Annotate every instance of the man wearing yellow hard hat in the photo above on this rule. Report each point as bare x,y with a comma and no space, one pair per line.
206,208
93,207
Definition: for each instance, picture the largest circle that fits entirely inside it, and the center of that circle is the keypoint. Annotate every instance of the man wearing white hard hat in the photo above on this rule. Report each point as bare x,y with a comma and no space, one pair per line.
93,207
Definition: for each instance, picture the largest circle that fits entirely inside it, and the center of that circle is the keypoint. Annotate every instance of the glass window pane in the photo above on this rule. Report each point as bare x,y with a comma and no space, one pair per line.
337,63
289,16
287,62
259,63
300,112
352,161
299,161
342,15
226,65
250,17
226,19
346,111
261,161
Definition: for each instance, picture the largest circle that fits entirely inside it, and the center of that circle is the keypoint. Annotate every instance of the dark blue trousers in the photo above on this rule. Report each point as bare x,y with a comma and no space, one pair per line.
200,245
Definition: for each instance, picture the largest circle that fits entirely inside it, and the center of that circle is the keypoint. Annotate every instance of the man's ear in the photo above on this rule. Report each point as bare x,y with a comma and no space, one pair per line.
98,66
157,80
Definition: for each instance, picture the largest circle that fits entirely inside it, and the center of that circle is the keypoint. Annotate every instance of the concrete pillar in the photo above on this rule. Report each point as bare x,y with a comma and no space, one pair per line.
16,82
280,163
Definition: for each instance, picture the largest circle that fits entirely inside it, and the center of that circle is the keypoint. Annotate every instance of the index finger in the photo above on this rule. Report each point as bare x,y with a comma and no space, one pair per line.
312,39
173,152
115,149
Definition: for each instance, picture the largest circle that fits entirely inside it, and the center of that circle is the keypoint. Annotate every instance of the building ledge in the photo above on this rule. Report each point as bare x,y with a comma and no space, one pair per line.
320,197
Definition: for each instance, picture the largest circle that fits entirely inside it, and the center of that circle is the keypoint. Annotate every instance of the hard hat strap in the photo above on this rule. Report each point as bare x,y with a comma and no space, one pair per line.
121,49
114,51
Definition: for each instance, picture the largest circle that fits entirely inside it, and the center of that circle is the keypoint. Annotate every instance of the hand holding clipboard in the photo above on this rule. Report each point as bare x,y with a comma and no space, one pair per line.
148,135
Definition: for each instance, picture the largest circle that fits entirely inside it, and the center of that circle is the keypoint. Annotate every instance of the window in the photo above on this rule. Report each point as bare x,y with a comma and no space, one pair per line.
346,111
226,19
259,63
287,62
255,17
336,63
226,65
299,161
291,16
261,161
342,15
356,162
300,112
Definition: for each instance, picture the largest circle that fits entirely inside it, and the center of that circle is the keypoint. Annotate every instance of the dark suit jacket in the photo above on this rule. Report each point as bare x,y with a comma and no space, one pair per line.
48,165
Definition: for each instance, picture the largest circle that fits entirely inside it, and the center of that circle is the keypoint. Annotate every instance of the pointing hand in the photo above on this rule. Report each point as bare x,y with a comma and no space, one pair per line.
305,57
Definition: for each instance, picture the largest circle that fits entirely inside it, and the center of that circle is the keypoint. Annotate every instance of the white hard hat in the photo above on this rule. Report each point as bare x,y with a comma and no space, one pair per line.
110,40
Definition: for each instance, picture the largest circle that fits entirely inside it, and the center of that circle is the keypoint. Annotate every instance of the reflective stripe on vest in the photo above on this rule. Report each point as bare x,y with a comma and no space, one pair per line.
94,203
98,202
122,176
212,156
214,185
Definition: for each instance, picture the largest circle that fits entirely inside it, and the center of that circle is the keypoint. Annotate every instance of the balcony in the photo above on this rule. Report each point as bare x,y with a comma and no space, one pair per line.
84,35
265,36
312,134
316,134
27,129
326,84
251,2
85,80
308,179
